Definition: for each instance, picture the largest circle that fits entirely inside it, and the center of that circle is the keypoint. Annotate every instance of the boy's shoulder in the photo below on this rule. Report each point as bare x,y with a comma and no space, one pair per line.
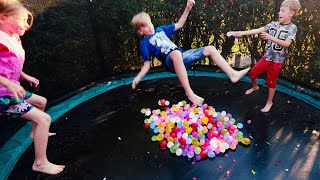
290,26
167,29
162,28
274,23
278,24
144,40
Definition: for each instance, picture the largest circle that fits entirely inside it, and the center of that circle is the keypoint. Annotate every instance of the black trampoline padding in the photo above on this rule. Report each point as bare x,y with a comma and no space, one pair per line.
104,137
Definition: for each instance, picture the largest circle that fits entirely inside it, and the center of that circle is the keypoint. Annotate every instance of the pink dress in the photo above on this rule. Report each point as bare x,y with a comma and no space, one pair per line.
11,60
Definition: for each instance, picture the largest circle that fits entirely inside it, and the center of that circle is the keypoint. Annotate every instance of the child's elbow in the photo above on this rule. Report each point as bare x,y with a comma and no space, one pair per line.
287,45
178,26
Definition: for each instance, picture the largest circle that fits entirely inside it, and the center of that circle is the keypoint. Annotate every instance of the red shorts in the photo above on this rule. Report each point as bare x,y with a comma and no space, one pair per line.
271,68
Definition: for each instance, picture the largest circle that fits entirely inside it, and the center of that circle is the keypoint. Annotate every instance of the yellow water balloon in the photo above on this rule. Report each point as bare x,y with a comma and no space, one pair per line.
246,141
160,137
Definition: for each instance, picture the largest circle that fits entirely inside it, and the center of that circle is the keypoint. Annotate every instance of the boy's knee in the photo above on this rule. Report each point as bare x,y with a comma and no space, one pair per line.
176,56
209,50
271,84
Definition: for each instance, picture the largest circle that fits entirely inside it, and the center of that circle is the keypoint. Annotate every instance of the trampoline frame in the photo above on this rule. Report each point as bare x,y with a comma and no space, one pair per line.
12,150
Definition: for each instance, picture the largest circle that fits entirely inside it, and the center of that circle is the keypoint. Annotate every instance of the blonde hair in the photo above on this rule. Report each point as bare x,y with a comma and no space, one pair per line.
10,7
140,19
293,5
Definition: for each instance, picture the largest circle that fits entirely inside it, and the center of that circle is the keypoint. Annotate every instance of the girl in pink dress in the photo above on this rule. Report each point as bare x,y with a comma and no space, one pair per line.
15,19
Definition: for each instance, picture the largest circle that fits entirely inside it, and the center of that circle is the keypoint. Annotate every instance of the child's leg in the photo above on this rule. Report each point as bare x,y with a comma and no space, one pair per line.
259,68
223,65
269,103
254,87
39,102
181,72
273,70
41,162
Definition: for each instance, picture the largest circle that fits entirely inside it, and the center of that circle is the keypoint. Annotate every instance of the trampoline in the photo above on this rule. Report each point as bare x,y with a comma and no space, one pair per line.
100,132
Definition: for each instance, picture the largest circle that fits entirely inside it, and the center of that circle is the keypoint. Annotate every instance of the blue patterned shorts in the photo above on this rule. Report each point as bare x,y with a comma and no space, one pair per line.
11,107
189,57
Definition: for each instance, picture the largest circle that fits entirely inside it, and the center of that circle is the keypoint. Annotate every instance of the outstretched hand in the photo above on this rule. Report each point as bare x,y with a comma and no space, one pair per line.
190,4
234,33
135,82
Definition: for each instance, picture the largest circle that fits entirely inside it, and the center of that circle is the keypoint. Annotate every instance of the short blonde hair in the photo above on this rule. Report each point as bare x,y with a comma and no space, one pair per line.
140,19
293,5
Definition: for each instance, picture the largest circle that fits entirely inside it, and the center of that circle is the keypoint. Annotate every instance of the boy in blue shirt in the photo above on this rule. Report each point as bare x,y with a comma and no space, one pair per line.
157,43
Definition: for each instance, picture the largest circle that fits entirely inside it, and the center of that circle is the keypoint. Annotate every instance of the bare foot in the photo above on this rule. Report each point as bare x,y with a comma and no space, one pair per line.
48,168
238,74
49,134
249,91
195,99
267,107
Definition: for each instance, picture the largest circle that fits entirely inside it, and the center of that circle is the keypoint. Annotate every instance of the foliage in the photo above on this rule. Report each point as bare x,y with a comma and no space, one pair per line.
71,39
60,48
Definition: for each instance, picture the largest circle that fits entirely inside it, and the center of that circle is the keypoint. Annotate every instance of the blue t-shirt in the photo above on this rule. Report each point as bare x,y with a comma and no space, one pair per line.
274,52
158,44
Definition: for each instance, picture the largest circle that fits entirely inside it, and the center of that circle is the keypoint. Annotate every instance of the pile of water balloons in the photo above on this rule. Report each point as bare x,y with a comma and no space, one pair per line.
193,131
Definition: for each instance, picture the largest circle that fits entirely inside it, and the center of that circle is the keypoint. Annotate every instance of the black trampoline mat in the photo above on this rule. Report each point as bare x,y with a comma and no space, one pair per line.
104,137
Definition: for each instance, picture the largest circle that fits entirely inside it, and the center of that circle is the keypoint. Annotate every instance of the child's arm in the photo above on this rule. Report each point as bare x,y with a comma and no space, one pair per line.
284,43
263,34
144,70
184,16
15,89
244,33
32,80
